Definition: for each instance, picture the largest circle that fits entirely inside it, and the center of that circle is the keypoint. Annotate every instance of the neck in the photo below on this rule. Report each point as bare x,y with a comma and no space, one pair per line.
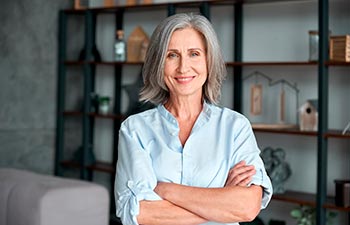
184,109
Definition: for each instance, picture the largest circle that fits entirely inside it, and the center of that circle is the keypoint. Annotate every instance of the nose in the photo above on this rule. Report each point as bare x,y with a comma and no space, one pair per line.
183,65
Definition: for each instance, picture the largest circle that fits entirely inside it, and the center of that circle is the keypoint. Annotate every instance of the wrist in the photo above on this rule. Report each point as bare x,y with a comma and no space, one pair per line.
162,189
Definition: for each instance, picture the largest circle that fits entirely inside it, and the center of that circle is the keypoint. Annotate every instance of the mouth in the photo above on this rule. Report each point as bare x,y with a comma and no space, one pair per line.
184,79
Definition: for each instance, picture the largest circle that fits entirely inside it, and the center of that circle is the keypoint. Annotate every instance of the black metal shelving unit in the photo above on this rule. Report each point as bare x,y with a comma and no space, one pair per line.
318,200
88,65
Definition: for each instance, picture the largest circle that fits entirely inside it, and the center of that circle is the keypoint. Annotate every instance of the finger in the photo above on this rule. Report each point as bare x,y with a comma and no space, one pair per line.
245,182
235,171
242,180
239,164
239,172
236,179
239,181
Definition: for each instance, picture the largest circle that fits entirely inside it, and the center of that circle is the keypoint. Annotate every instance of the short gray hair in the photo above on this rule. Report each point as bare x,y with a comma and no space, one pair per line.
155,89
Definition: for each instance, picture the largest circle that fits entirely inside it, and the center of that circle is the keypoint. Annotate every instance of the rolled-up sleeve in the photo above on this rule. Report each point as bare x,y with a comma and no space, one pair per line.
263,180
135,179
247,149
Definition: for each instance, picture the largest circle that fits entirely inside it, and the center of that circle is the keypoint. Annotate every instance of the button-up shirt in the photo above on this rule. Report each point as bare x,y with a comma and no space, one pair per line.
150,151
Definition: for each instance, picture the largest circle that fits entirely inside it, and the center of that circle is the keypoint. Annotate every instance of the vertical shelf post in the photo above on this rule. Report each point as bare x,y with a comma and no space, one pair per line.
322,142
62,36
96,57
205,10
84,172
238,52
118,71
171,9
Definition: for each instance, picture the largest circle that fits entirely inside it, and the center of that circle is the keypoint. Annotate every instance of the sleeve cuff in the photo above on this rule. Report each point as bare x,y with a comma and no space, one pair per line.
130,198
142,192
263,180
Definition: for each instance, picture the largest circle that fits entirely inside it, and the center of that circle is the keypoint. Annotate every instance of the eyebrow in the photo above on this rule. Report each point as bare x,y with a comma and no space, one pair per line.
191,49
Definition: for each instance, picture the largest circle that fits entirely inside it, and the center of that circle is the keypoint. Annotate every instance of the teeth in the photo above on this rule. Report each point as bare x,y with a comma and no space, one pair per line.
184,79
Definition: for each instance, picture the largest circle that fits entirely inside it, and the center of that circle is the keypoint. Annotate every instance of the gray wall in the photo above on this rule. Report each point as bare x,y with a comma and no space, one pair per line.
28,74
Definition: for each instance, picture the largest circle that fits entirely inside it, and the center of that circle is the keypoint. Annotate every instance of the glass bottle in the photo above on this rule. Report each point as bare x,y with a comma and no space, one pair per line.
120,47
313,45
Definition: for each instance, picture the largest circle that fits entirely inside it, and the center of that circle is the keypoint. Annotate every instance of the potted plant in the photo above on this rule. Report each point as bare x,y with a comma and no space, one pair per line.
306,215
104,104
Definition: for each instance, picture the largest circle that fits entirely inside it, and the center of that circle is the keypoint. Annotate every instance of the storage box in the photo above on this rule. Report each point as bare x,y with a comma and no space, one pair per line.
342,193
339,48
84,4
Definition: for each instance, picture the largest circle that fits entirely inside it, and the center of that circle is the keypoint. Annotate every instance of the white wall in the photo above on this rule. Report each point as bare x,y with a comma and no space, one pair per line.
272,32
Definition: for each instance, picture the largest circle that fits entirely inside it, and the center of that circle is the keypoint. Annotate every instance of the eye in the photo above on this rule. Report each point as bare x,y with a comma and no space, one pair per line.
194,53
172,55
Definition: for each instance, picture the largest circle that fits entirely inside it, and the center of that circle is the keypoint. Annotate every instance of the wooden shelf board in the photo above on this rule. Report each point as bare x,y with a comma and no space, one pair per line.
71,164
286,63
97,115
187,4
337,63
280,129
296,197
107,63
102,166
74,11
256,63
108,116
113,63
330,204
274,126
98,166
74,62
302,198
72,113
337,134
294,131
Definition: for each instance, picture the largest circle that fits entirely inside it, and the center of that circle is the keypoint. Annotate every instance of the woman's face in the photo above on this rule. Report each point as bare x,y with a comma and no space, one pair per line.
185,69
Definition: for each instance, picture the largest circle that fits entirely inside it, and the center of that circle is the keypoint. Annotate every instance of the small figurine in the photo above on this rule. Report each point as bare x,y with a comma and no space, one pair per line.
137,45
276,167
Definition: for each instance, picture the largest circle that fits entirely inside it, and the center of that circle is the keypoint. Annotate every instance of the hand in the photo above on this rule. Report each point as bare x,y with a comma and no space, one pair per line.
241,174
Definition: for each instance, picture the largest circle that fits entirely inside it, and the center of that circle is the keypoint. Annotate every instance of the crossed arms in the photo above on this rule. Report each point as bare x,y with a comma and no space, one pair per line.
182,204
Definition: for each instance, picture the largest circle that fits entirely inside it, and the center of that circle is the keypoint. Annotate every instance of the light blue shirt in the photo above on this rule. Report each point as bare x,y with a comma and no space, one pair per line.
150,151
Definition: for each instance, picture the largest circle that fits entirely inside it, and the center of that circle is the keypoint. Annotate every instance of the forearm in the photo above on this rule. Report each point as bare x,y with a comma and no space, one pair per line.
228,204
166,213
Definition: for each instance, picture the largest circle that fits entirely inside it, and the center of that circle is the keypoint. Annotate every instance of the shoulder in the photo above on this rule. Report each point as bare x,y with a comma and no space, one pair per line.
228,114
140,119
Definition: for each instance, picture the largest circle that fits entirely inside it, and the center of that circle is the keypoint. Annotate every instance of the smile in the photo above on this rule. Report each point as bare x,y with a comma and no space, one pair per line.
184,79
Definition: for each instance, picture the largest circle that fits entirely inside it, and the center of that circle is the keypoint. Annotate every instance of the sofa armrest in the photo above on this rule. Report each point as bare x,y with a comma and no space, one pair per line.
35,199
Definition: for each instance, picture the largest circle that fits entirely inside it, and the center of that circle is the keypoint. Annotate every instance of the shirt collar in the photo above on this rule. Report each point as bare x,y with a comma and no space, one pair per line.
203,117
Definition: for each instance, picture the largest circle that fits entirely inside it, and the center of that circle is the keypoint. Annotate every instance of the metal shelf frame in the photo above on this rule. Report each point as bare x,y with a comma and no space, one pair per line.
88,70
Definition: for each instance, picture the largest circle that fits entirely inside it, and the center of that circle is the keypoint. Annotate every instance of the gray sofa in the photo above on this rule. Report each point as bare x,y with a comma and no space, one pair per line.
28,198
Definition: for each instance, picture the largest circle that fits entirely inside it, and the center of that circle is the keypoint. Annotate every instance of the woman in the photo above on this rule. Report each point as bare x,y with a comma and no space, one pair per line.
184,162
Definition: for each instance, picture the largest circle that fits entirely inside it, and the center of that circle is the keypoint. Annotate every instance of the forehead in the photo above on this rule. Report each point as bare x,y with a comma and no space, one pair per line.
187,37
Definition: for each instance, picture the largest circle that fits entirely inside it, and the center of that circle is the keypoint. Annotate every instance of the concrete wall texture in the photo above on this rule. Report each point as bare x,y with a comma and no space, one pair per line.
28,75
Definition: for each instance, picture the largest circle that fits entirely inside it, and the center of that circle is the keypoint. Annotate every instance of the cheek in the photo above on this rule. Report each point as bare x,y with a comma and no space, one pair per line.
168,69
167,75
201,65
202,68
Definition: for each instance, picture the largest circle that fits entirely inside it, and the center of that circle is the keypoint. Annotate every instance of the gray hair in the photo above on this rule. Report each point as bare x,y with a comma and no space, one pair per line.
155,89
